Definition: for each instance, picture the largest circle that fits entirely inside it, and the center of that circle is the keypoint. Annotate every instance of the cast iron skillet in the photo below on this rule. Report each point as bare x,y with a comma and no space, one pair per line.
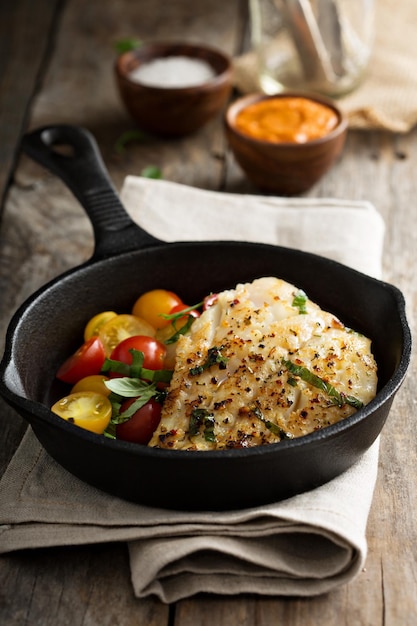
128,261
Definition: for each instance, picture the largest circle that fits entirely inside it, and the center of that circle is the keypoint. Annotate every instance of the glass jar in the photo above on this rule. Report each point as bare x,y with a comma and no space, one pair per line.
315,45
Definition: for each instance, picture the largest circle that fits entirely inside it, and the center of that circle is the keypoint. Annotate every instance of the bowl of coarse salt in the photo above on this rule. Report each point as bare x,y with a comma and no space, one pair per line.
173,89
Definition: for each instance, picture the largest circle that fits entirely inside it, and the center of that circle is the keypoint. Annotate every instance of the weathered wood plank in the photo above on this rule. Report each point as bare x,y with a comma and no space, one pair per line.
25,29
88,585
25,36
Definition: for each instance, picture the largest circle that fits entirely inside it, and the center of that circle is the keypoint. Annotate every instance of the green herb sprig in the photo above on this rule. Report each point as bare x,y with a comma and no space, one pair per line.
340,399
274,428
300,301
151,171
127,44
129,136
174,317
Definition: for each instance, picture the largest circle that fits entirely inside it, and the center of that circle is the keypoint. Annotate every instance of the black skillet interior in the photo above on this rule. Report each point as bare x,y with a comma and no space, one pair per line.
127,261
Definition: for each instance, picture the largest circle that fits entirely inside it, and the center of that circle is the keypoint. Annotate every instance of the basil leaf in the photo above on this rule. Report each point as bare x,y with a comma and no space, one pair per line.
128,387
116,403
135,406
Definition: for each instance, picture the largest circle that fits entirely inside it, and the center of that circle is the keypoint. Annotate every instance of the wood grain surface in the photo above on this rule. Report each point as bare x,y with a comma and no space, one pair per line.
57,66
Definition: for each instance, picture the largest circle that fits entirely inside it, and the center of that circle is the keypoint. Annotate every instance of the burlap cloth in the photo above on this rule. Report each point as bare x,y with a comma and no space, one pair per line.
305,545
387,98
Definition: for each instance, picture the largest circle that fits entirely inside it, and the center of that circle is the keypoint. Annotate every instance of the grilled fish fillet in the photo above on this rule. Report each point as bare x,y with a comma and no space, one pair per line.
262,365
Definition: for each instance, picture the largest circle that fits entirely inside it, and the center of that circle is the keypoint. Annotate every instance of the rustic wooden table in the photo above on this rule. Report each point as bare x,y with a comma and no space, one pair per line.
56,66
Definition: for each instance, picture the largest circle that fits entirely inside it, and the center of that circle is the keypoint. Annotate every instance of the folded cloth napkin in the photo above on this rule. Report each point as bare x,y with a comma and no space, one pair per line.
305,545
387,98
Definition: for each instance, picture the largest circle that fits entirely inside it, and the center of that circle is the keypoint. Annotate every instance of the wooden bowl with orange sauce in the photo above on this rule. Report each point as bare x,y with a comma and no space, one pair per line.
285,143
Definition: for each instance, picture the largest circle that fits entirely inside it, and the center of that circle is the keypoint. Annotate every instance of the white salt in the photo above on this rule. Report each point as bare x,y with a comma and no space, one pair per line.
174,71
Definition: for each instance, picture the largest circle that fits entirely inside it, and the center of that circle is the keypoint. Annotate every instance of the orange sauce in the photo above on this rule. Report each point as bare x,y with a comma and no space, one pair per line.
286,119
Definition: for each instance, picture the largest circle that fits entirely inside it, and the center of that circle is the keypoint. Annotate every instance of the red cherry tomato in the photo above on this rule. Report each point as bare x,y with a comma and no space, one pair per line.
86,361
153,350
141,426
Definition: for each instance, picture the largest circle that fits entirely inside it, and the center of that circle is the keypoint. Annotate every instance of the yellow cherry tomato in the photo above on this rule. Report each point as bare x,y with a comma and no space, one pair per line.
163,334
96,322
121,327
92,383
151,305
89,410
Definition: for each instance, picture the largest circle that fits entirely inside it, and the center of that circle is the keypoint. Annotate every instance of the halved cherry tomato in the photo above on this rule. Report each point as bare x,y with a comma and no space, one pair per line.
96,322
121,327
86,361
92,383
151,305
153,350
141,426
89,410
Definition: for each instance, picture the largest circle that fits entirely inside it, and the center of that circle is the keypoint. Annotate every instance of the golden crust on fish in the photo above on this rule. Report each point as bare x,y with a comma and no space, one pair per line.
261,365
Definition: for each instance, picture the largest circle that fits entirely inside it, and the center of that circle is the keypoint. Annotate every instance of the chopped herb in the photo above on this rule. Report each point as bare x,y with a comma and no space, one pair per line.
274,428
128,137
126,45
300,301
151,171
202,417
214,357
136,369
339,398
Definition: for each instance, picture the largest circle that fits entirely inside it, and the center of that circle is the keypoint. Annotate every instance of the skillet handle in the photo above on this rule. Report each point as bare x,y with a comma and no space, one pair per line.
84,173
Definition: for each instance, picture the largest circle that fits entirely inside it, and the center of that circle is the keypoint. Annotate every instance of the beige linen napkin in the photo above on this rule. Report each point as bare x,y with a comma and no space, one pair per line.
305,545
387,98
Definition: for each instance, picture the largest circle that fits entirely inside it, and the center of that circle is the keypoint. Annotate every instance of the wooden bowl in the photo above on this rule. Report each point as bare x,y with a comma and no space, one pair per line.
284,167
173,111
